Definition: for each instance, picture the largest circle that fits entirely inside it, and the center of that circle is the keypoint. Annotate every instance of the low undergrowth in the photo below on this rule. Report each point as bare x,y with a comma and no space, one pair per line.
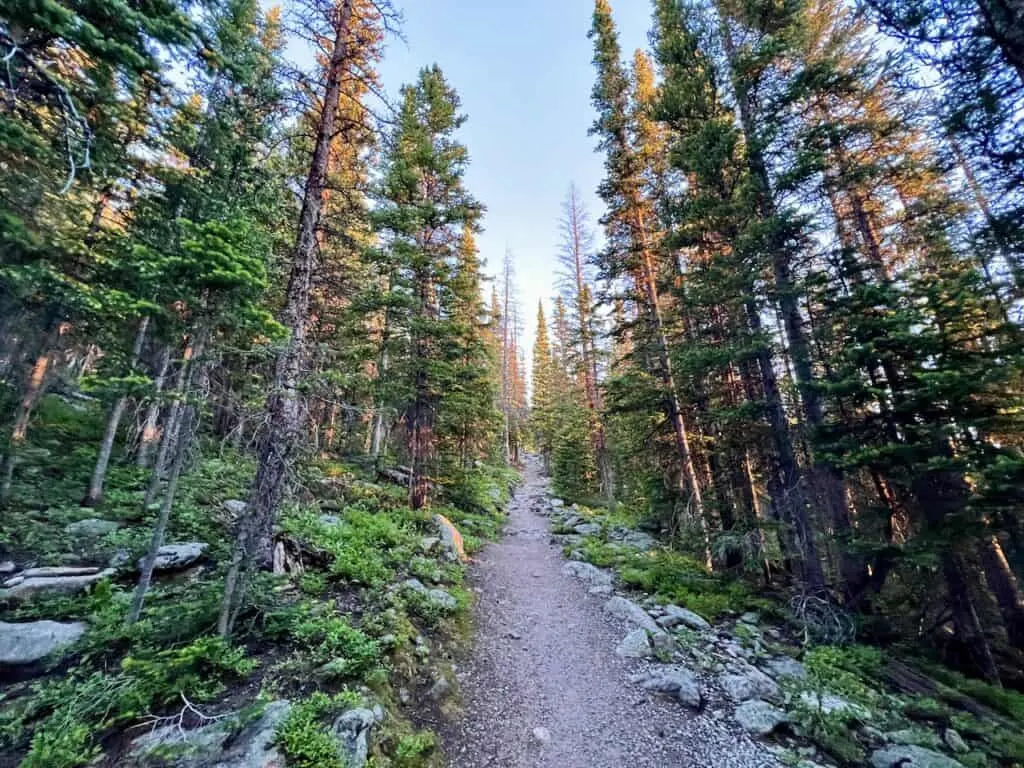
333,632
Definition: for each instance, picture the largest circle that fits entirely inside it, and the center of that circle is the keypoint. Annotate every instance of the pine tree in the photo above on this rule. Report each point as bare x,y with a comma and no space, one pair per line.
545,382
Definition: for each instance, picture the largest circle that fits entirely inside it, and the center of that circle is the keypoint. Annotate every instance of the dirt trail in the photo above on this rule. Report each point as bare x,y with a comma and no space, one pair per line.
544,658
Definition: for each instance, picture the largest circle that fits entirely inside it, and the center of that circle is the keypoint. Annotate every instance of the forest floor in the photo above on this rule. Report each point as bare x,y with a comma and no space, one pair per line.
544,685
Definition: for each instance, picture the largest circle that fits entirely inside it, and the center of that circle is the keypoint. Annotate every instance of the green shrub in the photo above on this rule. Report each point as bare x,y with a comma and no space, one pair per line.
413,750
331,643
304,736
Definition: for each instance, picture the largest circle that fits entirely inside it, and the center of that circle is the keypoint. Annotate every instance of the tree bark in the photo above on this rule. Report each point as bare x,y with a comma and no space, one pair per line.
160,526
276,454
99,473
1004,585
150,428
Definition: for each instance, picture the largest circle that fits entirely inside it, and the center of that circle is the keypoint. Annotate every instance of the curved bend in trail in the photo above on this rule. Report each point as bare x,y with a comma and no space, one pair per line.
544,687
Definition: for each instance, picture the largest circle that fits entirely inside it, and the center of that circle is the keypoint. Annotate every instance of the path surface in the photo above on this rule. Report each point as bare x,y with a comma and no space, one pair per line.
544,657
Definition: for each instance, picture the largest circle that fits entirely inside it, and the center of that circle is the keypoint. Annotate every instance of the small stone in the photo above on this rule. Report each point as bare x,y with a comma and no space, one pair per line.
542,735
171,557
750,618
759,717
663,643
627,610
235,507
556,503
955,741
588,573
784,666
635,645
831,704
7,567
588,529
750,683
439,689
29,642
910,756
674,681
675,615
329,520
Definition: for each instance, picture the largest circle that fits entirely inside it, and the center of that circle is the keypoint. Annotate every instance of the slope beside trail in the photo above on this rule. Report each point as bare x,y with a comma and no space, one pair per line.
544,686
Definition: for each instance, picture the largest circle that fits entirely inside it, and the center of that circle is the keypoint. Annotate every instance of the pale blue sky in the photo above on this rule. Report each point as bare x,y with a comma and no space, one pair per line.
523,71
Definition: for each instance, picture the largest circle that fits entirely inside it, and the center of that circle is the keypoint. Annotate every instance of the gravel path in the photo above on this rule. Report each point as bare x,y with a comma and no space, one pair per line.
544,659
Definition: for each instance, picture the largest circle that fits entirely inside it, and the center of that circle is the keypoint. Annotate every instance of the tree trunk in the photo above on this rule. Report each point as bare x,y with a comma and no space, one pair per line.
160,526
165,453
99,473
280,443
1005,587
150,427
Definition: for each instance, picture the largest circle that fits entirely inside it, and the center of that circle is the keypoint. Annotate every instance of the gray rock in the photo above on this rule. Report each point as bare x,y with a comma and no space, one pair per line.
831,704
7,567
588,573
750,618
91,528
29,642
759,717
601,589
447,533
223,744
439,689
329,520
635,645
556,503
675,681
955,741
542,735
587,529
749,683
916,736
59,570
638,540
26,589
675,615
427,543
442,599
627,610
784,666
172,557
120,559
352,731
910,756
235,507
663,643
414,584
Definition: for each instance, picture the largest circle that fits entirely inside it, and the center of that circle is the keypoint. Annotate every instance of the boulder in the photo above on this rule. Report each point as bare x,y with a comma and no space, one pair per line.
785,667
29,642
638,540
627,610
830,704
635,645
674,615
91,528
587,529
675,681
588,573
173,557
749,683
556,503
427,543
235,507
915,736
226,743
437,597
910,756
26,589
759,717
352,731
451,539
601,589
